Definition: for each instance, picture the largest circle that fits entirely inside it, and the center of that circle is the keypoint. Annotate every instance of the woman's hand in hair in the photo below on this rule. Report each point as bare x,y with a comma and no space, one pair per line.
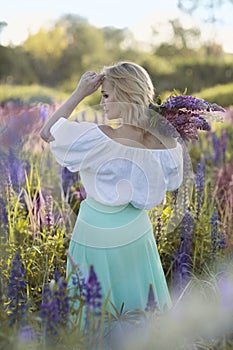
89,83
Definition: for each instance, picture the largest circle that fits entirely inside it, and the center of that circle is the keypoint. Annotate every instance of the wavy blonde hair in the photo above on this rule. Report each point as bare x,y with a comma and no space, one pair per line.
132,85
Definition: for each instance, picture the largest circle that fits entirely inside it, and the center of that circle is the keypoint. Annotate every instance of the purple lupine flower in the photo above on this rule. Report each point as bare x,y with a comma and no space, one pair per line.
185,101
151,305
54,309
214,231
27,334
191,103
16,290
216,143
199,186
224,145
3,212
69,179
218,239
81,193
16,169
26,118
73,189
187,114
61,294
187,129
78,279
201,123
93,304
43,112
183,256
92,293
217,108
11,137
180,119
221,241
49,311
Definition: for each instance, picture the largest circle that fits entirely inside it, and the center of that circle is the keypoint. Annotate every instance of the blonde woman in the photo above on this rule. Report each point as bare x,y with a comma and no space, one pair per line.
125,171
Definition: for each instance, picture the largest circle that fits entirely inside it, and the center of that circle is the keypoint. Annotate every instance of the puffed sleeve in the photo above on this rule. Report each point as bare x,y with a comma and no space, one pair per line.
73,142
172,164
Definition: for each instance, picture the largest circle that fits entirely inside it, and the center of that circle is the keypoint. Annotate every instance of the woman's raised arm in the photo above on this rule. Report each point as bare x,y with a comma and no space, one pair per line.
89,83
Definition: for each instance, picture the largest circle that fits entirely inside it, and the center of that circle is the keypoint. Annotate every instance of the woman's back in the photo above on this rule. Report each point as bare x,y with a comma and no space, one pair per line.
133,136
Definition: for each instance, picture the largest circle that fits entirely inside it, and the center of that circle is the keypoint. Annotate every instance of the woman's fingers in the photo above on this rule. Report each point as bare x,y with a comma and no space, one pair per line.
92,75
89,82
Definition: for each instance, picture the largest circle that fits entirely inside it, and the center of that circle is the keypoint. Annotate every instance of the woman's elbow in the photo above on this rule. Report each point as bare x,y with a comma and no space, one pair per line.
46,137
43,136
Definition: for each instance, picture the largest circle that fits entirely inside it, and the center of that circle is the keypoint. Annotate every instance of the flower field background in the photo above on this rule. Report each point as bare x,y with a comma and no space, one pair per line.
39,202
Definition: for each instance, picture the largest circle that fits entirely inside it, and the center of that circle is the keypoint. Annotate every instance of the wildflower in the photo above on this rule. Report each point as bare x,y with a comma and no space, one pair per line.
61,294
187,127
93,304
199,185
219,145
78,280
16,290
27,334
224,145
218,240
69,180
3,212
81,193
183,256
216,142
186,114
49,311
54,309
16,169
92,293
201,123
43,112
214,230
188,102
151,305
221,241
72,188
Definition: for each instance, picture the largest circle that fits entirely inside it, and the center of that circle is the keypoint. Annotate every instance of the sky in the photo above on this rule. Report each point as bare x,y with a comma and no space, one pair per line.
27,16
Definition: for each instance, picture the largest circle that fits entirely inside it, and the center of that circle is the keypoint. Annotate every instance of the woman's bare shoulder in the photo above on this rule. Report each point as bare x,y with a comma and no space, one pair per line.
106,129
135,137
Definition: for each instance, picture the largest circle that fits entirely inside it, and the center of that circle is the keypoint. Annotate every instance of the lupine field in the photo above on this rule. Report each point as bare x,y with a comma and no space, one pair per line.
39,202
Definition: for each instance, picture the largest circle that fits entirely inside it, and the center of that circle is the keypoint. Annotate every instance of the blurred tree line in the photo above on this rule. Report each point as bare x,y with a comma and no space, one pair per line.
57,57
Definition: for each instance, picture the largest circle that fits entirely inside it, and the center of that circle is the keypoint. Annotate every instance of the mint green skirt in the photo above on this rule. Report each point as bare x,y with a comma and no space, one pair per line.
119,242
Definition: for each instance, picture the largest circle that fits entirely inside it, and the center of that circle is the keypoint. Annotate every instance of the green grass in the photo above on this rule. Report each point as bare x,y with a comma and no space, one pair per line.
30,94
220,94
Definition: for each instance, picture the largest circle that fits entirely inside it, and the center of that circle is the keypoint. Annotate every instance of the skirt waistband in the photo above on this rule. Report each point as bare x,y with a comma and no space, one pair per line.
102,226
103,207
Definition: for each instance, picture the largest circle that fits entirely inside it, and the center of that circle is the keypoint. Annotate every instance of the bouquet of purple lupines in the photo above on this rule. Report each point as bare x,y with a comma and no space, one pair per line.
184,115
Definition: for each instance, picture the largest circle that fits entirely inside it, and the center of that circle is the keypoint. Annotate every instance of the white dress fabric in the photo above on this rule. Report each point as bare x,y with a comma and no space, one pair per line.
112,173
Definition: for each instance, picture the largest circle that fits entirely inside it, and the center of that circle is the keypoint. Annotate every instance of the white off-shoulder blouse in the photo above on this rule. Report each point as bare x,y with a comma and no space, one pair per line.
112,173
